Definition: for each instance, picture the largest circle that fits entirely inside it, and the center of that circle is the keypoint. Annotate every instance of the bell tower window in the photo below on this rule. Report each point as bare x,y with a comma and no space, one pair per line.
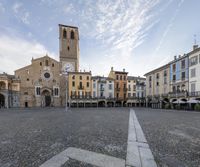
72,34
64,33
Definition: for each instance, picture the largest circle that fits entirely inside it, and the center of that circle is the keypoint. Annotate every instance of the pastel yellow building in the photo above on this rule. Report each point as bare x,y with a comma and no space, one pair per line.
79,87
158,86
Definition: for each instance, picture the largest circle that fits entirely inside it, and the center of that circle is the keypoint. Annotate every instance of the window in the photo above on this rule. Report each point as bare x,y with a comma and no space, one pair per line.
193,61
68,48
46,63
117,77
124,77
157,76
87,77
134,94
88,84
110,95
117,85
129,94
182,64
56,92
80,77
193,87
183,75
72,34
124,86
73,77
25,93
157,83
40,63
37,91
52,64
120,77
149,78
174,78
124,95
165,73
117,95
110,86
193,72
174,67
27,79
73,83
64,33
134,87
129,87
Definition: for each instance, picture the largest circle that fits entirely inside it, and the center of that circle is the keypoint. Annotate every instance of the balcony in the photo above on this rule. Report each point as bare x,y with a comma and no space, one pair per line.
117,89
102,89
178,94
81,87
125,89
194,94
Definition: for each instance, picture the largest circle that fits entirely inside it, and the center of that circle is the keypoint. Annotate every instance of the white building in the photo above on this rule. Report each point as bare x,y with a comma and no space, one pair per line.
194,72
102,87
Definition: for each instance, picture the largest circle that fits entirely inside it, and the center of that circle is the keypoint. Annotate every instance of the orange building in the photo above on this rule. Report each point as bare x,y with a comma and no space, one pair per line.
120,78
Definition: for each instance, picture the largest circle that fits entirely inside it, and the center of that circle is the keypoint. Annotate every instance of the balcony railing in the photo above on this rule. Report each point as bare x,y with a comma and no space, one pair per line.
81,87
125,89
117,89
178,94
194,94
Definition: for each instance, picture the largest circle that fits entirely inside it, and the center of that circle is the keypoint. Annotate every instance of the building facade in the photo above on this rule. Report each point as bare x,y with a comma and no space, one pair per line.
40,83
135,91
9,91
120,84
103,91
79,89
179,78
194,73
158,86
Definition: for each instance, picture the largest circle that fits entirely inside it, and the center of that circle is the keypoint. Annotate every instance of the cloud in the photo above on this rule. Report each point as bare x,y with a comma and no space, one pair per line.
16,7
21,13
17,52
169,26
69,8
2,9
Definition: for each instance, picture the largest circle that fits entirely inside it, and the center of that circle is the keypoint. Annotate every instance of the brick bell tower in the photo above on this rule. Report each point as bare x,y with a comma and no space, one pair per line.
69,47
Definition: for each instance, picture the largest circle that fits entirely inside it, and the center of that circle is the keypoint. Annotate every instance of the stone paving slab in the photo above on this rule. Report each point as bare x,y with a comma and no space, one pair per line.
89,157
138,151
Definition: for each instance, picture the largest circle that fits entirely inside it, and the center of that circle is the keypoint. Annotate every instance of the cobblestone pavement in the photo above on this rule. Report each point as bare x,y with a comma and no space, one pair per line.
174,136
30,137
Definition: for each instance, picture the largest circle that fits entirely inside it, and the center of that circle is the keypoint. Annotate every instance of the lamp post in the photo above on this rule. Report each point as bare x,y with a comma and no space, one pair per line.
66,108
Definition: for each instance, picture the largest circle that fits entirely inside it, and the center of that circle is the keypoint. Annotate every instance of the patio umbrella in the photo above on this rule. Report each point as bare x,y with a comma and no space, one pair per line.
193,101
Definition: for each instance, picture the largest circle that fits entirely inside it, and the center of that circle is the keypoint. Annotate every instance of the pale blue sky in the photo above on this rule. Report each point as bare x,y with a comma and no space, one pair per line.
137,35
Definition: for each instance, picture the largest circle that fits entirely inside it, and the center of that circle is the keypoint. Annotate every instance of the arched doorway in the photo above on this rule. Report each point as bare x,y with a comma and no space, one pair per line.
46,98
2,101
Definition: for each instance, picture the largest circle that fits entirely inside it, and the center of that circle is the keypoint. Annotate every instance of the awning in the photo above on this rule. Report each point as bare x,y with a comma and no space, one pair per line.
193,101
179,102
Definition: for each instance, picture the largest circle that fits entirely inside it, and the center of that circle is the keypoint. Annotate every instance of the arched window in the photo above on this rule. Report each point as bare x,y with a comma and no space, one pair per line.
64,33
72,34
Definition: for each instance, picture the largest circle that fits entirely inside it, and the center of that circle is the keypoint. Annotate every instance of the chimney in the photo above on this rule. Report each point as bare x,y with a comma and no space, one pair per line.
123,69
195,47
174,57
179,56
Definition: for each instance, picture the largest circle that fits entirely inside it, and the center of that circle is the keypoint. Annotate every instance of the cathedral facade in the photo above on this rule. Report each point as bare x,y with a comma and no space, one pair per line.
43,82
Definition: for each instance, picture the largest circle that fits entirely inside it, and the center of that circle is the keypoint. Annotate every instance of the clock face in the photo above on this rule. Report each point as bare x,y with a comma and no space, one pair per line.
68,67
